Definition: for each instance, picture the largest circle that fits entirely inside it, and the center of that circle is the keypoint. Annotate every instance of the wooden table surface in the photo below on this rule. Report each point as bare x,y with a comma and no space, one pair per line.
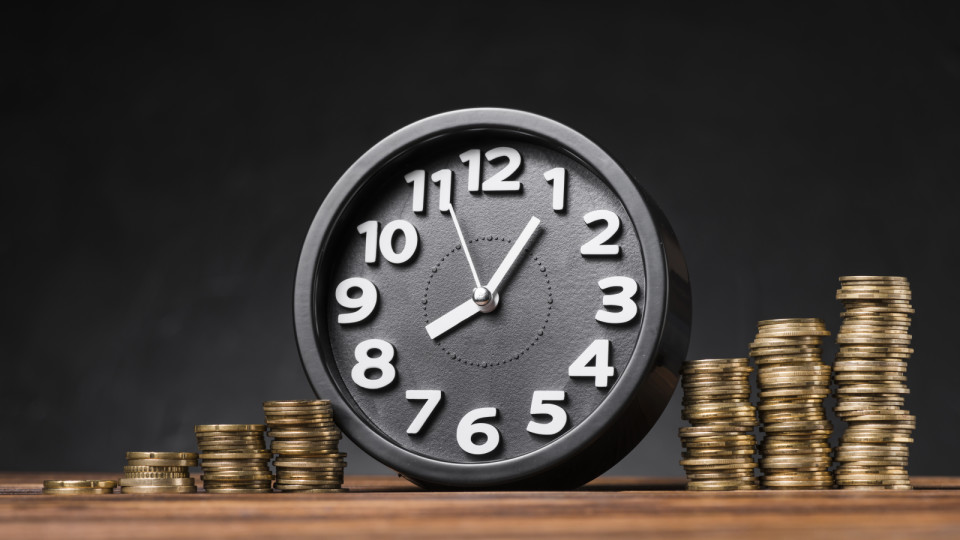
390,507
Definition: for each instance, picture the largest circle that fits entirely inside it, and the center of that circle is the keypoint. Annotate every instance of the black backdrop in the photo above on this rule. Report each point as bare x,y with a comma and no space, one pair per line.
161,166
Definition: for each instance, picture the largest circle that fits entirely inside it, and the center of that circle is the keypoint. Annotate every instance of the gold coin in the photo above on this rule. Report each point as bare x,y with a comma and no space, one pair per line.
167,469
297,403
798,368
810,392
77,484
844,367
898,416
285,472
872,389
229,435
236,455
239,482
844,279
166,456
156,475
299,464
204,428
76,491
161,463
797,426
228,490
718,371
810,320
326,490
878,438
127,482
157,490
715,443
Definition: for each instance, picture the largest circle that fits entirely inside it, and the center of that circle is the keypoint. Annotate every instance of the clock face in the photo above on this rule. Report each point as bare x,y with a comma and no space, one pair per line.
479,297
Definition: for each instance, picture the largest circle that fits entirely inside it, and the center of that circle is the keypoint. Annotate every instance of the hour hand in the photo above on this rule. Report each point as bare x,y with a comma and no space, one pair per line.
452,319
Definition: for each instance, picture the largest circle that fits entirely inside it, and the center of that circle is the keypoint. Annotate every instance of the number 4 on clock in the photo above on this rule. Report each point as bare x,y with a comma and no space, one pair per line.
599,353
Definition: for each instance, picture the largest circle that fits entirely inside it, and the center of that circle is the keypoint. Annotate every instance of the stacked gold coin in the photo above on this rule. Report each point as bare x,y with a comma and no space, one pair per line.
793,381
78,487
719,442
870,373
158,472
306,441
234,458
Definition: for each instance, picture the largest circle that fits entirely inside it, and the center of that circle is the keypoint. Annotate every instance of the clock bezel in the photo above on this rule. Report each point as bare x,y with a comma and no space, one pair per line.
632,405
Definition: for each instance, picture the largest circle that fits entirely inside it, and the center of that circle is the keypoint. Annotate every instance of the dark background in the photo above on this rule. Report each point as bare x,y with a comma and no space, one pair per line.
161,165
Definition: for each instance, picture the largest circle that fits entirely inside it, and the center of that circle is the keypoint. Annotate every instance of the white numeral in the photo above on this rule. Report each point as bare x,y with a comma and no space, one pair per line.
380,363
410,241
431,399
557,177
444,178
363,304
472,159
597,245
601,371
558,416
418,179
469,426
622,299
499,182
369,231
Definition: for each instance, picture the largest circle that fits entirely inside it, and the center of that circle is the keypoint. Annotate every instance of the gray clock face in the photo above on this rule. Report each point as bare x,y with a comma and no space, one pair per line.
427,366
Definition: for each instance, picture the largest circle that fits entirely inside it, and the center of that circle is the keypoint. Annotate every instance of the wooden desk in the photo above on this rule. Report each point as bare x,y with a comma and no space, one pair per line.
385,506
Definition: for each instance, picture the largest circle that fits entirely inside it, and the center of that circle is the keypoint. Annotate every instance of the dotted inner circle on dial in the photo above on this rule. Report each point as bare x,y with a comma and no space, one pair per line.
540,331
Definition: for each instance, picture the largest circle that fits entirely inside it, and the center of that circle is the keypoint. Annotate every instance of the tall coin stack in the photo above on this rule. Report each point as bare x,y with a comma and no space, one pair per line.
870,373
306,441
158,472
793,380
234,458
719,441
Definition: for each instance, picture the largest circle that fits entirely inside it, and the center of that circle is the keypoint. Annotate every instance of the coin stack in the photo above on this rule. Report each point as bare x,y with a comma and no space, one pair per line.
306,441
78,487
793,380
870,373
234,458
719,442
158,472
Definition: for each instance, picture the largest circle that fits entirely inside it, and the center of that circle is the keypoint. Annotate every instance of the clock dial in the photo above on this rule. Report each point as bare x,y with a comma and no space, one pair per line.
553,304
482,304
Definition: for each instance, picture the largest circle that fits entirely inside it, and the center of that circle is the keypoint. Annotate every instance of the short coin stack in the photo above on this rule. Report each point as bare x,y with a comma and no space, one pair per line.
793,380
158,472
870,373
306,441
78,487
719,441
234,458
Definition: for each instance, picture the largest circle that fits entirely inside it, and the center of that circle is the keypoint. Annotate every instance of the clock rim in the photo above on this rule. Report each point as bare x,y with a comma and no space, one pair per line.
661,305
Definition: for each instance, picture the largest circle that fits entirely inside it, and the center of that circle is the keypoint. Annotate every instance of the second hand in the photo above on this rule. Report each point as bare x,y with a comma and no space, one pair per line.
466,251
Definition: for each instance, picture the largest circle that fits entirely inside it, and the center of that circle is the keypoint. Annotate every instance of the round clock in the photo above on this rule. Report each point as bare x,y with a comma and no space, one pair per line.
490,301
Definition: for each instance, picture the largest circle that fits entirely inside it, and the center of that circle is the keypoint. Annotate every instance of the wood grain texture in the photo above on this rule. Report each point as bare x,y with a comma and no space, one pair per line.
384,506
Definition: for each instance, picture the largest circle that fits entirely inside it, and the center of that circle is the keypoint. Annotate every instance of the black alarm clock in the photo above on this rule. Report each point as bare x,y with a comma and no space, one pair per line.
490,301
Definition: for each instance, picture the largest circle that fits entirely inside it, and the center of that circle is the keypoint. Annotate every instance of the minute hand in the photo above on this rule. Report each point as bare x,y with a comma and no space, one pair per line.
512,256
